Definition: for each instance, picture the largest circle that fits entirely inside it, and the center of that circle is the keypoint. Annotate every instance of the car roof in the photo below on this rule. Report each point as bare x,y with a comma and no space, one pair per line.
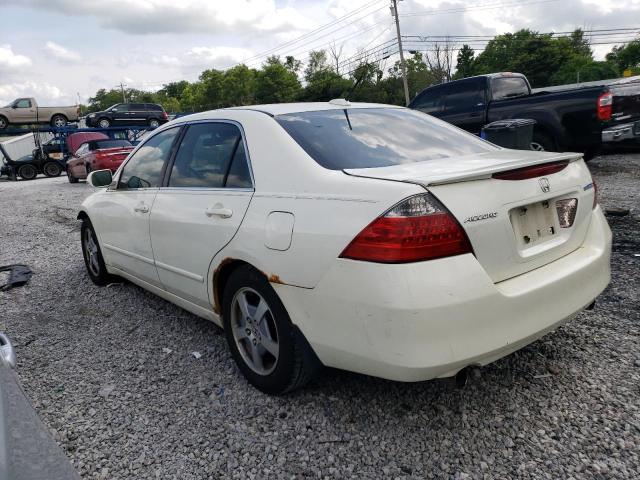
284,108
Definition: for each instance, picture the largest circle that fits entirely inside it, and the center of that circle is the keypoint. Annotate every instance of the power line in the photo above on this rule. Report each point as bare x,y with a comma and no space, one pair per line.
320,29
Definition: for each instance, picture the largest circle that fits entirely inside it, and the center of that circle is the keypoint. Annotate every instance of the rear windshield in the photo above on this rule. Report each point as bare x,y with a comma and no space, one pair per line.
376,137
110,144
508,87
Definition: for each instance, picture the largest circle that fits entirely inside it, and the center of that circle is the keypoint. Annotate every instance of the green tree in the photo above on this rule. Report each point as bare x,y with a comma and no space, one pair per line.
626,56
239,86
583,69
464,62
276,83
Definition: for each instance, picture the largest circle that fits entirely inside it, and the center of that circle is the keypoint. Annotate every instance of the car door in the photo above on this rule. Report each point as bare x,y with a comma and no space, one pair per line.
137,114
465,104
124,210
120,114
24,111
206,194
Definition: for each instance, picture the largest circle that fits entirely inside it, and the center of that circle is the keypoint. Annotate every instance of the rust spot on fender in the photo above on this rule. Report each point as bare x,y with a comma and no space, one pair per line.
273,278
216,294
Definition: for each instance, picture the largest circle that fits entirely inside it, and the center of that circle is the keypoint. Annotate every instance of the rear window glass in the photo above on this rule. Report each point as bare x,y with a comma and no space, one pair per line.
110,144
508,87
376,137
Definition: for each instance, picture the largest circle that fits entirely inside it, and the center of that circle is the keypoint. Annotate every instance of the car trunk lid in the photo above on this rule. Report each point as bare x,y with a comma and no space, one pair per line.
514,226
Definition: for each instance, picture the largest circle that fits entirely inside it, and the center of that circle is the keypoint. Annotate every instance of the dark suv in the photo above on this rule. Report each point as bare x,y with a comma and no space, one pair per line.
129,114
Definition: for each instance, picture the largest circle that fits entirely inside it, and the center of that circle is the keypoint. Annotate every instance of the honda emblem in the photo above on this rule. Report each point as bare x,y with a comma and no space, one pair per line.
544,185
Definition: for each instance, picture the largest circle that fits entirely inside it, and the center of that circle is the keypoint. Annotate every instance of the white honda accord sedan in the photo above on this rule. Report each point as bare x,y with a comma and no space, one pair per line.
366,237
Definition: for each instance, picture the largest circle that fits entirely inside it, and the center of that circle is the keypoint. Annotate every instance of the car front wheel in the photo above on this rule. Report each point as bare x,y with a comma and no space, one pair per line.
92,254
262,339
104,123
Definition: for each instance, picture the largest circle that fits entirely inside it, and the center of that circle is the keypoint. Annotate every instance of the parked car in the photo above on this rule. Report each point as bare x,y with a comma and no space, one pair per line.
576,117
97,155
365,237
27,450
76,139
25,111
129,114
28,167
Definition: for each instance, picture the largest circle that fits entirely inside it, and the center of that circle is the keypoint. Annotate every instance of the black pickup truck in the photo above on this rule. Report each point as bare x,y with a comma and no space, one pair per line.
579,117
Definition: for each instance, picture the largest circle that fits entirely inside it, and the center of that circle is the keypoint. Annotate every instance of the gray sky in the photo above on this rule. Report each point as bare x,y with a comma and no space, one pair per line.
57,49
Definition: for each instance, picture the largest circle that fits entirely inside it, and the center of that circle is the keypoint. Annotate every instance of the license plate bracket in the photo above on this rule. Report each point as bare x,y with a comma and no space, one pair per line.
534,223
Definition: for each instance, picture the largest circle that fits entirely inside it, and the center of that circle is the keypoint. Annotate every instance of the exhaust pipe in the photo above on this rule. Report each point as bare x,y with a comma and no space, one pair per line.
461,378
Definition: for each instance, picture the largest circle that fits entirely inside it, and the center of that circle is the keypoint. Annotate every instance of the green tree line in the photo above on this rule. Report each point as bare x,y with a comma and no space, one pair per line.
543,58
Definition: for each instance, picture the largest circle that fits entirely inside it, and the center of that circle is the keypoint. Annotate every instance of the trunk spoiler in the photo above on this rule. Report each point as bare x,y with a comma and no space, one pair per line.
453,170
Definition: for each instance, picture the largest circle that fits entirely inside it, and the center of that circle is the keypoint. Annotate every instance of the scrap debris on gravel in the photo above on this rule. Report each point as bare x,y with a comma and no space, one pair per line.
133,387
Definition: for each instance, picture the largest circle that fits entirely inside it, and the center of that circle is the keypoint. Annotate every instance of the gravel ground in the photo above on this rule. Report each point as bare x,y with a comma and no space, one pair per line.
112,374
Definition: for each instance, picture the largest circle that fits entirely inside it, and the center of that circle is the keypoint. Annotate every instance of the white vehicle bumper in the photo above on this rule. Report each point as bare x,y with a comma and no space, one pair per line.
417,321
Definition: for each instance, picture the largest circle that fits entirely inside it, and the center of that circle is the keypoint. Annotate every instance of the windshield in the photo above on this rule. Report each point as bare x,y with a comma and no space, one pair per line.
112,143
377,137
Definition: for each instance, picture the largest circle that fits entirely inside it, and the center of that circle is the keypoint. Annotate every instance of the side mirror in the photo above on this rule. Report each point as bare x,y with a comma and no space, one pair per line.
7,354
14,106
100,178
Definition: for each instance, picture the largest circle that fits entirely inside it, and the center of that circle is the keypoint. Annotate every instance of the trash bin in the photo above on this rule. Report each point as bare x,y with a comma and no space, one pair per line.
514,133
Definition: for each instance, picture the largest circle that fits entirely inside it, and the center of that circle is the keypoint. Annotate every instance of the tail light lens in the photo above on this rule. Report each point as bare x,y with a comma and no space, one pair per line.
419,228
165,115
605,106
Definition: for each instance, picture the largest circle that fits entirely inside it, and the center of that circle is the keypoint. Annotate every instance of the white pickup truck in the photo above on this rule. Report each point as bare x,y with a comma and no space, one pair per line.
25,111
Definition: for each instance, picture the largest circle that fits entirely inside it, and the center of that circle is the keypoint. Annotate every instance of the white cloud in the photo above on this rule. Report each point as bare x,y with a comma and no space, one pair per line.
185,16
11,60
44,93
61,53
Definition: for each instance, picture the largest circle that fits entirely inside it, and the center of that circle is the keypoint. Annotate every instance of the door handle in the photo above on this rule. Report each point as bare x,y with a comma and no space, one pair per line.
218,212
142,208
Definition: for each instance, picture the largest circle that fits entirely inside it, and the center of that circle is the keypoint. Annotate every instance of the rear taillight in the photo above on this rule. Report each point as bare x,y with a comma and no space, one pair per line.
531,172
605,106
165,115
419,228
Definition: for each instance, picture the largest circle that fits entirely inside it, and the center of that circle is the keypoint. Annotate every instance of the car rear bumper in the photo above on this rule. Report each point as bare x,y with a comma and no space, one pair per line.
418,321
620,133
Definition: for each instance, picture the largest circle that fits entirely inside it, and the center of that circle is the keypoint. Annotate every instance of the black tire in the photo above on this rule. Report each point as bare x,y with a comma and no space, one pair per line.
543,142
59,121
71,178
4,123
104,123
154,123
27,172
296,365
94,264
52,169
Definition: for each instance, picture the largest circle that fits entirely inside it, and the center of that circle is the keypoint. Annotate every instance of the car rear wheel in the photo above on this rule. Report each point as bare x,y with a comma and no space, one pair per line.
59,121
154,123
543,143
104,123
262,339
27,172
3,123
52,169
92,254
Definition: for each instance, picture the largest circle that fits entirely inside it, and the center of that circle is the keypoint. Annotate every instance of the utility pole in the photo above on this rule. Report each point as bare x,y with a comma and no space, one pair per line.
403,66
124,99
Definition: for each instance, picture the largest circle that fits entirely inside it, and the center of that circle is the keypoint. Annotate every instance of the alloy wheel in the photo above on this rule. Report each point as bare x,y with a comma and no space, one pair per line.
537,147
254,331
91,252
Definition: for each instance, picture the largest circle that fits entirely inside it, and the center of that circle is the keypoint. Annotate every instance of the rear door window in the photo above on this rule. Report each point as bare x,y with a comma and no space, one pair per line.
210,155
377,137
464,96
430,100
144,169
